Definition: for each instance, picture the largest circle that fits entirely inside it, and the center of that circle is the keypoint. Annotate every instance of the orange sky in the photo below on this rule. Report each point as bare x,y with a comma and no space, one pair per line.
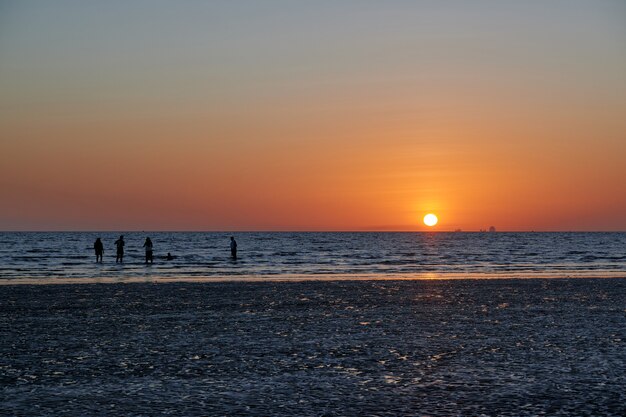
326,118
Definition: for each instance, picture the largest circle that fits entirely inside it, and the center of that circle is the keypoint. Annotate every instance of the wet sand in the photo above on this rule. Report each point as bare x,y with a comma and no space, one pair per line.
440,347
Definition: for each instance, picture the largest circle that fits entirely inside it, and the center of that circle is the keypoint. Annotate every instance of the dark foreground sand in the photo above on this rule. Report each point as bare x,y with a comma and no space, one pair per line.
519,347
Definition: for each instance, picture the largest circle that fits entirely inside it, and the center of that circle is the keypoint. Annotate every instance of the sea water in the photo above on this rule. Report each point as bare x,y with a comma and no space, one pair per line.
56,255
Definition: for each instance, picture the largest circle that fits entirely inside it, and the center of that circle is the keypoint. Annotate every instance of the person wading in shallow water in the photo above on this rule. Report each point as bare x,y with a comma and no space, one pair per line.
119,243
99,248
233,248
148,246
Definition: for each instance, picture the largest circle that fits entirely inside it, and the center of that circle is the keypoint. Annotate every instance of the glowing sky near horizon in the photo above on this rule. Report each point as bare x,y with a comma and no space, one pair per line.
325,115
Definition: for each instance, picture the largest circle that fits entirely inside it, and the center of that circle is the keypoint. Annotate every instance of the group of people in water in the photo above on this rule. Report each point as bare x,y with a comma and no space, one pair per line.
120,243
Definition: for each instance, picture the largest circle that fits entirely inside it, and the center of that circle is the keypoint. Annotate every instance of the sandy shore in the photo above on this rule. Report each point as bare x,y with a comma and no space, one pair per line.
453,347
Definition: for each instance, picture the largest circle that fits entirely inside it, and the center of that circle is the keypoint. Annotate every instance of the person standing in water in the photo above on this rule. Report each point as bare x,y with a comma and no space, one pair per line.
119,243
233,247
99,248
148,246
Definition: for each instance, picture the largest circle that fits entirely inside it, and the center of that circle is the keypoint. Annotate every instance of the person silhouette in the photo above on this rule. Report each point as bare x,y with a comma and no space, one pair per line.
169,257
119,243
148,246
233,247
99,248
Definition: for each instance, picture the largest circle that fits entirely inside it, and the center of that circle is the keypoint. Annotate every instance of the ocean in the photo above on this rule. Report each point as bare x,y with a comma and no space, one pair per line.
50,256
314,324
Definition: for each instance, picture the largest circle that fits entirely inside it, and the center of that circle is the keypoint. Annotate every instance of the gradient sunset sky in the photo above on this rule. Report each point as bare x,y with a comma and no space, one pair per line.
317,115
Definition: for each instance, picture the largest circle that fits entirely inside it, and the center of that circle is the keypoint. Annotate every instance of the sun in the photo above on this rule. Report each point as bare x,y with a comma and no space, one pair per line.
430,220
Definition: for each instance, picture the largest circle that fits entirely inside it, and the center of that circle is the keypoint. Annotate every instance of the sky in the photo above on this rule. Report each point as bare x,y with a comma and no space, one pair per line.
325,115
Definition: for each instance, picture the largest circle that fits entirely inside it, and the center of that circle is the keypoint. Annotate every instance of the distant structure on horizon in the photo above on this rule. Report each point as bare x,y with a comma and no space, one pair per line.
492,229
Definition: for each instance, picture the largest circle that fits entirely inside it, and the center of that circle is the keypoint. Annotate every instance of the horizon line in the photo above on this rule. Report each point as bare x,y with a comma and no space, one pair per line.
302,231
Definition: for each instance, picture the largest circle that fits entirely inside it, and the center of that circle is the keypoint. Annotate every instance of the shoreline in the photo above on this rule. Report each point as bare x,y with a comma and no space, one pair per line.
425,276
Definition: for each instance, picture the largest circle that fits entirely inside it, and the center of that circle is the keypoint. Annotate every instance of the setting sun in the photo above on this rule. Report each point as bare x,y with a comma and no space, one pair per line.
430,219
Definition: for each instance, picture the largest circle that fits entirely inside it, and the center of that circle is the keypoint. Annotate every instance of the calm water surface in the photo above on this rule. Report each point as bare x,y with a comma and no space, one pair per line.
36,255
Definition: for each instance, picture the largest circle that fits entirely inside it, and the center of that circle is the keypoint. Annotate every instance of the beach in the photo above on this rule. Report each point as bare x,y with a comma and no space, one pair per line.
414,347
323,208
